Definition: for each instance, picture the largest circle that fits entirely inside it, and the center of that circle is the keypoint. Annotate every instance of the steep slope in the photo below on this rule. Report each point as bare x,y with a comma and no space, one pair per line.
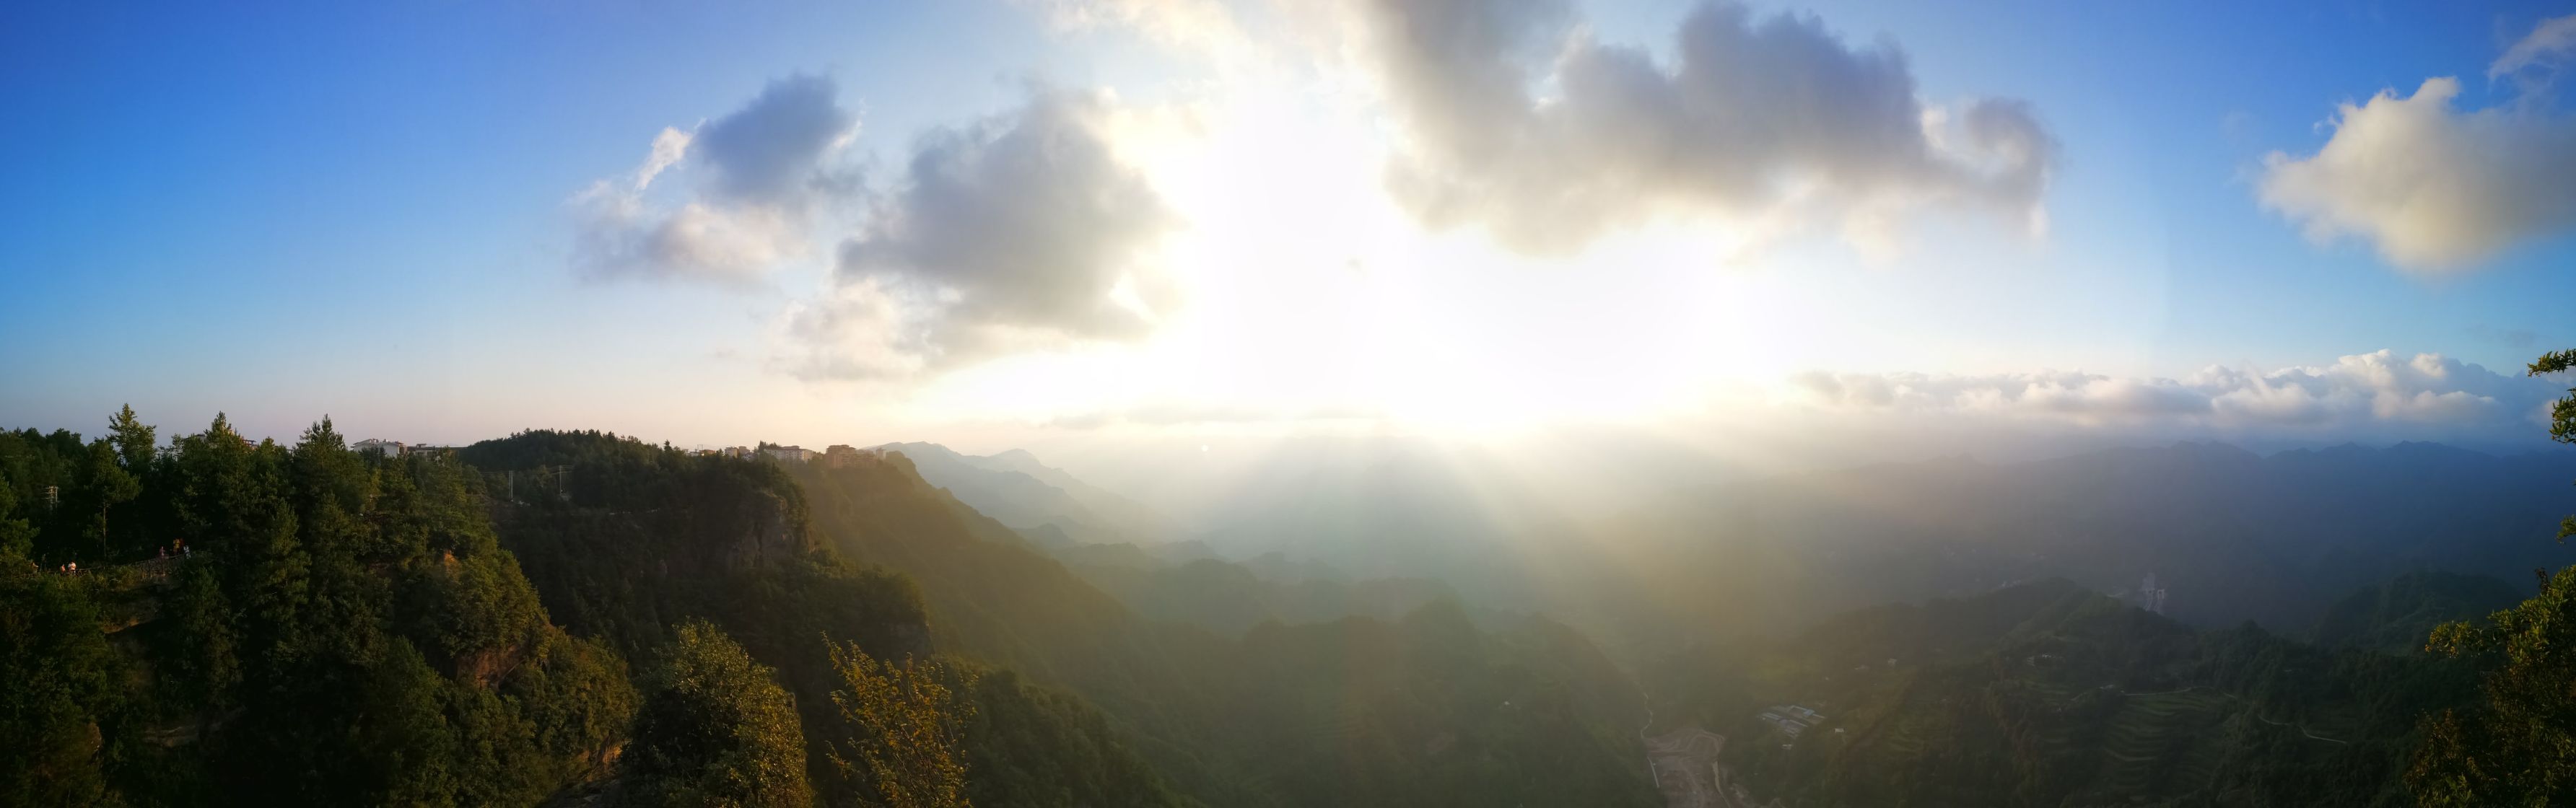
635,539
1216,712
1230,598
2397,616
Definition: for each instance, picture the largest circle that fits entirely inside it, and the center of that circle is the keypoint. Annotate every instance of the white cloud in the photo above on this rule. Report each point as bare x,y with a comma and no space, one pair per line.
854,331
766,168
2434,187
2357,394
1019,232
1205,26
2540,55
1761,119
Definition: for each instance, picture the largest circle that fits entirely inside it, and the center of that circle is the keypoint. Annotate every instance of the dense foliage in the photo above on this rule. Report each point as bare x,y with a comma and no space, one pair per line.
715,731
1037,746
337,628
907,728
2051,694
1425,710
2519,747
2396,617
332,629
633,539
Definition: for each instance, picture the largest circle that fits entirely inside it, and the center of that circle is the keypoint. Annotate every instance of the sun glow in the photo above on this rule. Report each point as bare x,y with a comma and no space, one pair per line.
1316,298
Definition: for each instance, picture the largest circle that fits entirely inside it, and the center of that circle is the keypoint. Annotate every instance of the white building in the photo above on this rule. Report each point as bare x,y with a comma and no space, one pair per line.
790,454
391,448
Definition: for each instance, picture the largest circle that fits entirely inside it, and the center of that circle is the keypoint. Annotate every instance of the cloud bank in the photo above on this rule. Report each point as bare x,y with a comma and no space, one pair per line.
1022,231
2427,395
2438,188
1761,119
762,172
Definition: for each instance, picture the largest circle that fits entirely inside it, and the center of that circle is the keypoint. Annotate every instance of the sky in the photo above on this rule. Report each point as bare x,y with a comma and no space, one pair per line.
1063,222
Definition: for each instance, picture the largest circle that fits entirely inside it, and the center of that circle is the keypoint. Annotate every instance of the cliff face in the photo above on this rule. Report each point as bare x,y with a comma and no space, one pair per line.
646,537
768,532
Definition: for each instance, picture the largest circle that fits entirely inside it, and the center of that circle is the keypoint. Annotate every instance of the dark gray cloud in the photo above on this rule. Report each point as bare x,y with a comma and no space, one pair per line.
773,150
1757,116
765,168
1018,231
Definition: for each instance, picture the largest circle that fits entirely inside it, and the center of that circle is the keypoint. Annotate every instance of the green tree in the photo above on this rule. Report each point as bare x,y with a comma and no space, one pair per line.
135,442
17,537
2520,747
715,730
56,681
907,728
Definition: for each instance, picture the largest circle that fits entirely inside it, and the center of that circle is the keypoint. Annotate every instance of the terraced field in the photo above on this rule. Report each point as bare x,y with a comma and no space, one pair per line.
2158,743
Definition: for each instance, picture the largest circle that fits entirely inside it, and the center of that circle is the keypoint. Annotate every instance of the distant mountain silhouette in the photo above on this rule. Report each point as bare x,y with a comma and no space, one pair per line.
1449,712
1021,492
2230,535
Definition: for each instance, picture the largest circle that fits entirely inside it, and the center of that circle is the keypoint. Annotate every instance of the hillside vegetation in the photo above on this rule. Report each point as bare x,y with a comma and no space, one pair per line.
1424,710
337,630
2397,617
2051,694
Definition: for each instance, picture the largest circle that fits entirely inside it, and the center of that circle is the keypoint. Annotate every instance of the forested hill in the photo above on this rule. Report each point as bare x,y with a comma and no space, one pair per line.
584,618
2397,616
2051,694
630,540
2229,534
335,629
339,628
1427,710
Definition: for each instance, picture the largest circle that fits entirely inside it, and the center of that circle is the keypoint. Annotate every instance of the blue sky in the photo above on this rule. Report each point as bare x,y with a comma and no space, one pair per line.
368,210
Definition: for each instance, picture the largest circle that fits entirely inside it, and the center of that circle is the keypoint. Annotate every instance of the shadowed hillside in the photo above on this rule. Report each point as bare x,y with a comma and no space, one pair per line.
2229,535
2050,694
1427,710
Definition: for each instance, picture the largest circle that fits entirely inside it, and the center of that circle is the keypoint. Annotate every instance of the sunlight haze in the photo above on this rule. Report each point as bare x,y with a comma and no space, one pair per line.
1283,403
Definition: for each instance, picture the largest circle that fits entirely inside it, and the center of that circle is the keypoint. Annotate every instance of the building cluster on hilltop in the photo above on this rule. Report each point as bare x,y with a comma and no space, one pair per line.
395,448
838,455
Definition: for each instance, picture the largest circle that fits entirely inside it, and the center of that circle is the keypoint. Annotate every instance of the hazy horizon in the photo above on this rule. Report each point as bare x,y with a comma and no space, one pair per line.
1684,403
